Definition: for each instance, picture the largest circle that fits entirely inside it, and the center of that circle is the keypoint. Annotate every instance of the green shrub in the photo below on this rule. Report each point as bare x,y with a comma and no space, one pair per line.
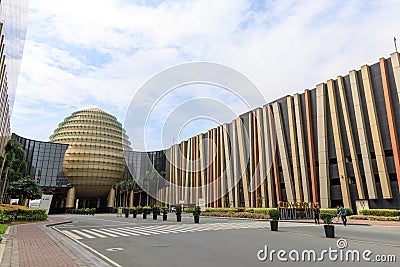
156,209
146,209
247,215
133,210
3,217
25,214
274,214
334,212
3,228
178,209
327,217
259,210
164,210
188,209
196,211
380,212
221,210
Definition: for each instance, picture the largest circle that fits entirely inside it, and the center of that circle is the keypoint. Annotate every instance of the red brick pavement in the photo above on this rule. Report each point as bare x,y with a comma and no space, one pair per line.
36,248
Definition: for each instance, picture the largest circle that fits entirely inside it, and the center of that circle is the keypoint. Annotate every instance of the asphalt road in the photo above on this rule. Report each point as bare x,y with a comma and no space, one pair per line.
226,242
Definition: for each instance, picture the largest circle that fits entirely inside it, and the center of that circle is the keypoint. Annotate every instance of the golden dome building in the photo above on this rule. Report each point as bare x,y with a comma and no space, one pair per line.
94,160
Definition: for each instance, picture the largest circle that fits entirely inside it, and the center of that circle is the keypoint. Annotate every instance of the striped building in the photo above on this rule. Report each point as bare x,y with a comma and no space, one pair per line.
335,144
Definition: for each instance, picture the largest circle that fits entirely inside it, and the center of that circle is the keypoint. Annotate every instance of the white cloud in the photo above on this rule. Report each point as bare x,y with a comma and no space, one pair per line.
98,53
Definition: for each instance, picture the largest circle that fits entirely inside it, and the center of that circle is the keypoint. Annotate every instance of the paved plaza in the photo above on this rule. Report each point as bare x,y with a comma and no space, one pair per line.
107,240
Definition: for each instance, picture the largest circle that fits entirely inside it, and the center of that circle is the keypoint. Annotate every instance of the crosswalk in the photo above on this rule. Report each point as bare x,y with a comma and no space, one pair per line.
114,232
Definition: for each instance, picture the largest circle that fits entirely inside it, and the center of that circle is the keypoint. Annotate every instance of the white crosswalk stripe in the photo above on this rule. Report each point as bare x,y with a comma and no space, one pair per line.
93,233
147,230
113,231
102,232
71,235
82,234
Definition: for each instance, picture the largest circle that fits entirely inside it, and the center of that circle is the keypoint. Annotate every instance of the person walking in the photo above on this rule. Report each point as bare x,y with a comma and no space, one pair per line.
316,213
343,215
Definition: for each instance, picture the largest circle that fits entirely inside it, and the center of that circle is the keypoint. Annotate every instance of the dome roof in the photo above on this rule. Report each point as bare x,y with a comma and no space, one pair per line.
94,160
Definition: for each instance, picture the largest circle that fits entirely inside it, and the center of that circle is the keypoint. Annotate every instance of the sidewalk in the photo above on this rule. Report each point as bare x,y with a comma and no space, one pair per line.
35,245
351,222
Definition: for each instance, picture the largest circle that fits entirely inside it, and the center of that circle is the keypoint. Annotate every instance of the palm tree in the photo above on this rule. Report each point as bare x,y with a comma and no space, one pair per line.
131,185
148,183
163,175
117,187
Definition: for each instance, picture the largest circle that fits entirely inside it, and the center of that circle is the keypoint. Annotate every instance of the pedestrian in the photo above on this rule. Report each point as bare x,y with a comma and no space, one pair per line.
338,210
316,213
343,215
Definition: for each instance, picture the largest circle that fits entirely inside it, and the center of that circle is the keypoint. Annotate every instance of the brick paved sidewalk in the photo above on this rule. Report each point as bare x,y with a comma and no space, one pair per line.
33,245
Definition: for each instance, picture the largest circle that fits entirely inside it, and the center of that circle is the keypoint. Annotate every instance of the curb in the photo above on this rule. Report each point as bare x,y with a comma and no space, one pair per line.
58,223
335,223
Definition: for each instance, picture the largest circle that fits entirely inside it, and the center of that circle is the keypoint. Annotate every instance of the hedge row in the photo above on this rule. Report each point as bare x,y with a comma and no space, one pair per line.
221,209
265,210
249,215
334,211
11,213
380,212
375,218
259,210
250,210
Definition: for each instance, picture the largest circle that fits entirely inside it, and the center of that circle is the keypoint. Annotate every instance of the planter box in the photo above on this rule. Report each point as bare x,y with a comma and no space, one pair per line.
164,217
274,225
196,219
178,217
154,216
144,215
329,231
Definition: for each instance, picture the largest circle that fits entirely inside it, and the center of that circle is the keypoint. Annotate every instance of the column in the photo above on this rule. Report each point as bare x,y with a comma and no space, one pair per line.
362,136
70,198
111,198
376,134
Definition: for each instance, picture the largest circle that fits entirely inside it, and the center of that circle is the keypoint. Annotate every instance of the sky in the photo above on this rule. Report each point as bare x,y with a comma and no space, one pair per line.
99,53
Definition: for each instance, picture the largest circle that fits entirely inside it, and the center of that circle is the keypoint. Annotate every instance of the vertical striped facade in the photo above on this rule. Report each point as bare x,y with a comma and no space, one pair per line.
334,144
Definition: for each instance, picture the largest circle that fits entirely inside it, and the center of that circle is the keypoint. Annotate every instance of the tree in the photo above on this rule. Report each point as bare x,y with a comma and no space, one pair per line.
149,183
124,187
14,165
25,188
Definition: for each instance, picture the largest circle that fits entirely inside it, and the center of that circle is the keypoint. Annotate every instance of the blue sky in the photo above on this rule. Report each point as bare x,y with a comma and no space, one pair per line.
81,54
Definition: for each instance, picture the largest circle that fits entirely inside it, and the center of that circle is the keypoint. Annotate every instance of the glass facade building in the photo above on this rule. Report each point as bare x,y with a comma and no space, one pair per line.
44,165
45,161
13,25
